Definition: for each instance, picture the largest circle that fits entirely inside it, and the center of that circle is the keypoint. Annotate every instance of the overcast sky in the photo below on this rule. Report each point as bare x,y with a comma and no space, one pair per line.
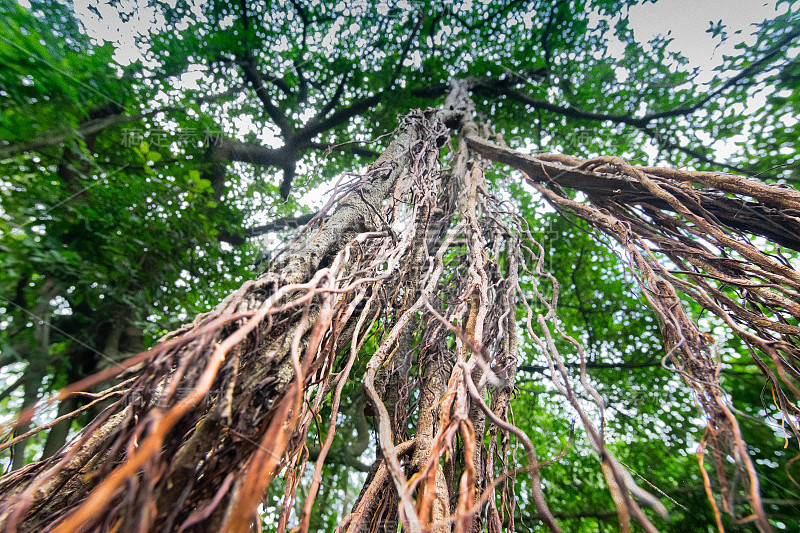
688,20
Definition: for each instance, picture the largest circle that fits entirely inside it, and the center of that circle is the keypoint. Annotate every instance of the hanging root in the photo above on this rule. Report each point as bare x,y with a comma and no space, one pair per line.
767,285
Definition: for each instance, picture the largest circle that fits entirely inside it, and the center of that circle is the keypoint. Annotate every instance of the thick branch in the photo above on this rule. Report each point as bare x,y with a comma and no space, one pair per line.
254,77
572,112
281,224
256,154
750,217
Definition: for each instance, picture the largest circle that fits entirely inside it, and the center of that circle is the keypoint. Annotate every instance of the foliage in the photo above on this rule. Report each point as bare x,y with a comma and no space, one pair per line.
130,191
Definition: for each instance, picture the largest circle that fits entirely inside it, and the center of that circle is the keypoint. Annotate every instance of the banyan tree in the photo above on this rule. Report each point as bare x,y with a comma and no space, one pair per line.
410,310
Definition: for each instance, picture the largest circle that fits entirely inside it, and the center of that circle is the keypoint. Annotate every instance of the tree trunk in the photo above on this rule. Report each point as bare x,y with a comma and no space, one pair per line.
36,370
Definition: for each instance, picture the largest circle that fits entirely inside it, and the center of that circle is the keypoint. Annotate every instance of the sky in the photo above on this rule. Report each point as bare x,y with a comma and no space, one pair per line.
687,21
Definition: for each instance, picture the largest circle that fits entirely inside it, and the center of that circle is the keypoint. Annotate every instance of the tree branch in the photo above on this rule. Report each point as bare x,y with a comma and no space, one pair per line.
256,154
640,123
303,82
314,128
333,102
599,515
747,71
350,146
489,18
281,224
643,121
339,117
671,145
342,458
751,217
11,388
254,77
288,177
571,112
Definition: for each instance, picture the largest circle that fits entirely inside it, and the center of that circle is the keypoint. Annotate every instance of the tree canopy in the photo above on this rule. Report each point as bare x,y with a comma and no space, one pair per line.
370,266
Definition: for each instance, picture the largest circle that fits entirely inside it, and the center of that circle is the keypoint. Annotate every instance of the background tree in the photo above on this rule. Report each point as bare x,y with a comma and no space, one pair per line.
127,179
